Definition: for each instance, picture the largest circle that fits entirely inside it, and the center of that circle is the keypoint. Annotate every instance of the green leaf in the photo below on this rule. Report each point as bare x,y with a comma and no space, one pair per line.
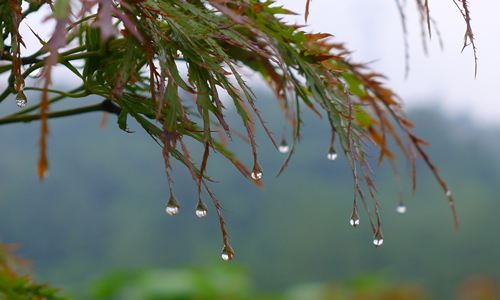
122,120
363,117
72,68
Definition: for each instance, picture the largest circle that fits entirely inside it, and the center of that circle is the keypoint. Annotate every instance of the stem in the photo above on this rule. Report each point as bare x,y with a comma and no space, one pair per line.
53,100
61,93
40,64
105,105
24,60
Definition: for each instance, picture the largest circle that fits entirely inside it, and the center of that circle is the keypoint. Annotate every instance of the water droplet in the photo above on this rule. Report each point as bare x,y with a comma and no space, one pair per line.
354,221
227,253
378,240
401,209
332,154
283,147
172,210
201,209
448,193
21,99
256,173
172,206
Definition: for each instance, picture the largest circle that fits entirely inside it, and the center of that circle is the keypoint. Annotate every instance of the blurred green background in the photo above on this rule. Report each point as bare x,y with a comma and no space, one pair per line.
97,227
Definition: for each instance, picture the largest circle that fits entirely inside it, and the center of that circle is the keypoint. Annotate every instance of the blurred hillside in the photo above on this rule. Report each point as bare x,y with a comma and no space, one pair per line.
102,209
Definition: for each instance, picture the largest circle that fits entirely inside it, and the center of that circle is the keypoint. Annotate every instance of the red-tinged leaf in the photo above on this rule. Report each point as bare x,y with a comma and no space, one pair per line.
323,57
43,164
317,36
203,164
129,24
306,15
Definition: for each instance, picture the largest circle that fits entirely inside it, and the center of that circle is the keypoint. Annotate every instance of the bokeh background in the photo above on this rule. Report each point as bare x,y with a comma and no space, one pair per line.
97,227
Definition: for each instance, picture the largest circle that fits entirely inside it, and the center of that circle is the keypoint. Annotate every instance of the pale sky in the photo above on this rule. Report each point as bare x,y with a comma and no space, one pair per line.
372,29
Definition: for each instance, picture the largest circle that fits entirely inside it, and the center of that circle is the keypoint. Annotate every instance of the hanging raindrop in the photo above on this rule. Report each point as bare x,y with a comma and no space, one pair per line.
172,206
227,253
332,154
201,209
448,193
401,209
256,173
21,99
378,240
283,147
354,221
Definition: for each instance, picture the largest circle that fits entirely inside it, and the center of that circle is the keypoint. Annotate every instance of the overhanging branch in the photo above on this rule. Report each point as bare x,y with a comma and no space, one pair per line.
105,106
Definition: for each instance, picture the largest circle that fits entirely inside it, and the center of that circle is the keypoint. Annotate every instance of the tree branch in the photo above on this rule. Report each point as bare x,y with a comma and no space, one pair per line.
28,60
106,106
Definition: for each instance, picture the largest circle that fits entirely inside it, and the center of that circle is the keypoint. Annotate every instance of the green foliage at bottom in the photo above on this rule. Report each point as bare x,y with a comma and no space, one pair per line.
232,283
20,287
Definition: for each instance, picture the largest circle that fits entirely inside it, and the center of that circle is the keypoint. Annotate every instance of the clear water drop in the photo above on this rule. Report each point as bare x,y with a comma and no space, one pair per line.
283,147
172,210
200,213
201,209
354,222
448,193
21,99
332,154
378,240
172,206
256,174
401,209
227,253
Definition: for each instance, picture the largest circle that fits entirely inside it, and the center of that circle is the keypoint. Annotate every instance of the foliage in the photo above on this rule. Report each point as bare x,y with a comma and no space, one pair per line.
133,54
232,283
17,287
210,283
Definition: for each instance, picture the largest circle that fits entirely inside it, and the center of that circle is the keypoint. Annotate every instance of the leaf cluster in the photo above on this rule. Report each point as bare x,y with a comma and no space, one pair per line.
143,57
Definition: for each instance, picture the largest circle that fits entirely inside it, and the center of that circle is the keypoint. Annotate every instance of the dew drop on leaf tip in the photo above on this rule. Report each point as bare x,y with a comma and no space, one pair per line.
256,175
201,210
21,99
172,206
227,254
283,147
401,209
378,242
172,210
332,154
354,222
